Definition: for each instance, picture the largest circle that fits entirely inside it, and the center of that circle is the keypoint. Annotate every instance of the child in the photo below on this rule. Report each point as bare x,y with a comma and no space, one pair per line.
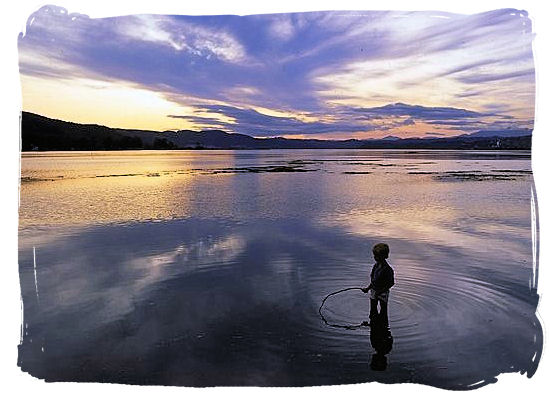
381,279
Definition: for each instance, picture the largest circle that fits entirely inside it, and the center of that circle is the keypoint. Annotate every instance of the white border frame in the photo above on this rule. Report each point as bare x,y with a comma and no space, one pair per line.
15,17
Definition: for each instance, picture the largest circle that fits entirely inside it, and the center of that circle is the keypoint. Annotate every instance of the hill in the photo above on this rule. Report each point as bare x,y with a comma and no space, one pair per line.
45,134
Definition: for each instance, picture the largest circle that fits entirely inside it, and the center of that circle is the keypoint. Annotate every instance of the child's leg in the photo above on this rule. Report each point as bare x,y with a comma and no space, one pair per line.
373,307
384,310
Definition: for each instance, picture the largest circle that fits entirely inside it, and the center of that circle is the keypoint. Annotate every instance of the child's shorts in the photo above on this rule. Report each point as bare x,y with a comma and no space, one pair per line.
383,296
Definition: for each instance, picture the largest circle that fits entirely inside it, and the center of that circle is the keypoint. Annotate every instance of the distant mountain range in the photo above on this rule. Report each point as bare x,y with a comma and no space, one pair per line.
501,133
390,138
45,134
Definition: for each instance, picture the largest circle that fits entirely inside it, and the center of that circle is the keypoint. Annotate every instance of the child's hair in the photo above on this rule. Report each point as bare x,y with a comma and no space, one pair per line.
381,250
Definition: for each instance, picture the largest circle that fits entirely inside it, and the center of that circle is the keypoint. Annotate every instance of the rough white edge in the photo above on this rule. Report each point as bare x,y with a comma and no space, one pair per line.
15,18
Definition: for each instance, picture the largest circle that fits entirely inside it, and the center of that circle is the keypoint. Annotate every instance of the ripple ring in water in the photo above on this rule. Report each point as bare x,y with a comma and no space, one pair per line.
347,327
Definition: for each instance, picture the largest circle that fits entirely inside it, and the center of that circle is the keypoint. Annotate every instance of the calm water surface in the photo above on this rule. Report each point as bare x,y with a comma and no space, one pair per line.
207,268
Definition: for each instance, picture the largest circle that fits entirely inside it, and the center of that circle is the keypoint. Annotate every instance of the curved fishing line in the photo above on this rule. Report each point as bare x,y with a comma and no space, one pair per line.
347,327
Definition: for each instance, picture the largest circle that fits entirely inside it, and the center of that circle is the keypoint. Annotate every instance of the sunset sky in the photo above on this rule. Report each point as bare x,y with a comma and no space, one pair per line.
333,75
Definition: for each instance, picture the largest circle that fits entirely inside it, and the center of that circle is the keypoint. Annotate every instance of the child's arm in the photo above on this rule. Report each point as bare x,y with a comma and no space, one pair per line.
388,280
366,289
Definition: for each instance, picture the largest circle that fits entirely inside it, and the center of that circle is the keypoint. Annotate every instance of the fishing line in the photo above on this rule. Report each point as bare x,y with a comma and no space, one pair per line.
349,326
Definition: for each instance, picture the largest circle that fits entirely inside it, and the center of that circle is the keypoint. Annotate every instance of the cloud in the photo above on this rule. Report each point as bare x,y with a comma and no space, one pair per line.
282,27
353,120
252,122
341,68
481,78
469,93
418,112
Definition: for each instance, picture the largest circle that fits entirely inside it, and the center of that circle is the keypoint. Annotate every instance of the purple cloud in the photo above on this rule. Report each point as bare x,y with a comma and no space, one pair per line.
252,122
271,61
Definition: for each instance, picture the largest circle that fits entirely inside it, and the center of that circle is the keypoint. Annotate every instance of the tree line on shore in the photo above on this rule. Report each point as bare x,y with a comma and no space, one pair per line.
45,134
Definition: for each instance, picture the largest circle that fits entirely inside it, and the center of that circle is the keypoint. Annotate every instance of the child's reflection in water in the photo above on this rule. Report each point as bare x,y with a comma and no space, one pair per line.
381,341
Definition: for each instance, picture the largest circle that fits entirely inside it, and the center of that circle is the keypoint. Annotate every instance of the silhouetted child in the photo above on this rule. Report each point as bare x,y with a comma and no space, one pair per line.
381,280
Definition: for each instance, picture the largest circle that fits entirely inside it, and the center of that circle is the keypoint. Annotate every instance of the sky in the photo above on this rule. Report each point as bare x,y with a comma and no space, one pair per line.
329,75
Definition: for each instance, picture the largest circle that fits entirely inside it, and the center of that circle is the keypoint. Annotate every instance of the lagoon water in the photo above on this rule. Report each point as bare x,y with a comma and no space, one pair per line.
203,268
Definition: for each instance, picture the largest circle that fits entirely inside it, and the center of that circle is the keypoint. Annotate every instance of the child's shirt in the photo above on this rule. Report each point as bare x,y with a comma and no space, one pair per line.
381,277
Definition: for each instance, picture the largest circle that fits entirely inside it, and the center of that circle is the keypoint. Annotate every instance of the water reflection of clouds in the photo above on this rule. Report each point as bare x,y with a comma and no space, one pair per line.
199,299
118,286
213,296
436,226
478,218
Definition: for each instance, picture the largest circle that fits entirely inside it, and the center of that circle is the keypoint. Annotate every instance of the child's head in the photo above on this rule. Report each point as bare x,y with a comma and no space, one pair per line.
381,251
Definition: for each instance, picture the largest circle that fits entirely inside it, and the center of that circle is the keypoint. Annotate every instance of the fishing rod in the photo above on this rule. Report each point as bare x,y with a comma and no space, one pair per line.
349,326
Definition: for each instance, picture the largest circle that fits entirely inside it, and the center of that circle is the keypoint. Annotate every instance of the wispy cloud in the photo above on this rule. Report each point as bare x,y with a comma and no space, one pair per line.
327,72
201,41
252,122
352,120
480,78
419,112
